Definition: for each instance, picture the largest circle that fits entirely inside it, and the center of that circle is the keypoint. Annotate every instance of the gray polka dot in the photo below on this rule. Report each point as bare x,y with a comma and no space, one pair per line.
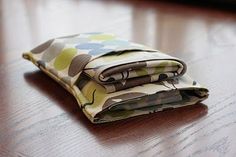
78,64
42,47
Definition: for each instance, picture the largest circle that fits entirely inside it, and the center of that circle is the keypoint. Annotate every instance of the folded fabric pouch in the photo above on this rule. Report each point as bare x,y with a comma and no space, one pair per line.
112,78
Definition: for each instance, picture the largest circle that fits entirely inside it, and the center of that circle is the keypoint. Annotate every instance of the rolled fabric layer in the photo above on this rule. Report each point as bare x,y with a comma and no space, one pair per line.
129,69
112,78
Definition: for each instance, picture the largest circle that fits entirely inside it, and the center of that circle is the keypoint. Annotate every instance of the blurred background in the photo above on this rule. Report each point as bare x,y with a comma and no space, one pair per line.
166,25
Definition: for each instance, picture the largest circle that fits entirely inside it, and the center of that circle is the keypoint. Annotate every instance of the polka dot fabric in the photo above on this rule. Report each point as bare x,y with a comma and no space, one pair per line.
67,56
112,78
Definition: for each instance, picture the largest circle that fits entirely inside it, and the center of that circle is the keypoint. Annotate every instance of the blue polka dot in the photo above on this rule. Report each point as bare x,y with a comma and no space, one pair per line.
89,46
116,42
99,51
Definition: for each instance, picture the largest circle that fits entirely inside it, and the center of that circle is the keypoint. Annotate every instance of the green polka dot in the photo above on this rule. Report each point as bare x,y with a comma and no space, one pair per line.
141,72
64,58
102,37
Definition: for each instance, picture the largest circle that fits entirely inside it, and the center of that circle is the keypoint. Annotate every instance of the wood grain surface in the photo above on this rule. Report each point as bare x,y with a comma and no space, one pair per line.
39,118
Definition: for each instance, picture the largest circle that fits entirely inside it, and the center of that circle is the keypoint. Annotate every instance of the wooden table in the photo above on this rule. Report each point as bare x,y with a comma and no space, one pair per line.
39,118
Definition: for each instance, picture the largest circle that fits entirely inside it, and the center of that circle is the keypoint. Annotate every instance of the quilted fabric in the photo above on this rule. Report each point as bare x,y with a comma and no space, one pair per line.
112,78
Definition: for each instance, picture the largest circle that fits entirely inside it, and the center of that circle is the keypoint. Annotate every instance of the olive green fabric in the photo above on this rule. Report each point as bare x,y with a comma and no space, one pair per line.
112,78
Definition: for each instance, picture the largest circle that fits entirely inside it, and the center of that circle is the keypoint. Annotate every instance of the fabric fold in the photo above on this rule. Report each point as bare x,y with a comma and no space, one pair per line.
129,69
112,78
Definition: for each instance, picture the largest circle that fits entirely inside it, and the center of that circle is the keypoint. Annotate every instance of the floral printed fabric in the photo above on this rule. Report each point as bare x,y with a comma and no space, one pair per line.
112,78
